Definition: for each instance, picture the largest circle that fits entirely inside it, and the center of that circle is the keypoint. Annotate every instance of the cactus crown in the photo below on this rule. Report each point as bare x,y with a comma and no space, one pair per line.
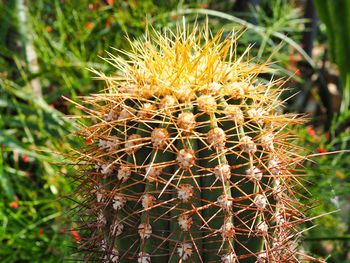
191,159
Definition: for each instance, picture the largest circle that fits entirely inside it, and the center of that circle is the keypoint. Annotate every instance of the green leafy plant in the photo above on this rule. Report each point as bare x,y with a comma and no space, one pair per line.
189,158
29,182
335,14
329,184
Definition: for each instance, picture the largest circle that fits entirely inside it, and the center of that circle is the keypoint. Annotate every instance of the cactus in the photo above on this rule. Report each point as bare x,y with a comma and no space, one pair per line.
189,157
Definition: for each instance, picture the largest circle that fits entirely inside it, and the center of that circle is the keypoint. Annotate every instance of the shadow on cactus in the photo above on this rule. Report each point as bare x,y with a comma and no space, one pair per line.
191,159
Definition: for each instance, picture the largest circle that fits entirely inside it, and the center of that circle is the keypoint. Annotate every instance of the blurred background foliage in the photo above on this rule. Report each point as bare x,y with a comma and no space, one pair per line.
46,48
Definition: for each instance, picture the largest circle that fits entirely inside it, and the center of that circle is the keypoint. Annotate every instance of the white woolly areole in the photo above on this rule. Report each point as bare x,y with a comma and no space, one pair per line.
185,192
277,190
101,219
116,228
235,113
267,142
159,137
191,79
106,169
184,92
102,143
152,173
186,121
128,88
112,115
99,193
279,218
146,90
260,201
262,228
144,257
222,172
185,158
99,197
185,222
118,202
257,114
254,173
126,114
277,182
111,144
274,166
237,89
98,167
124,173
261,258
103,245
206,103
184,251
225,203
214,87
279,241
145,230
227,230
145,110
247,144
228,258
217,138
167,103
147,201
133,143
114,256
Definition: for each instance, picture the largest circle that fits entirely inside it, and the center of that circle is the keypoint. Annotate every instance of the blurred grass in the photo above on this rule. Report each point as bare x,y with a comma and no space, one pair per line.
30,214
328,184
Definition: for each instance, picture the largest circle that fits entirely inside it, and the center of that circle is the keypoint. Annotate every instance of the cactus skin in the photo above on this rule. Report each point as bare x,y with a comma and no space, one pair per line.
191,160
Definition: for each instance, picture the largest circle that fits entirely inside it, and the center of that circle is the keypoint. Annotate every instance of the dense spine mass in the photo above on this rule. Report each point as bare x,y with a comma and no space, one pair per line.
191,159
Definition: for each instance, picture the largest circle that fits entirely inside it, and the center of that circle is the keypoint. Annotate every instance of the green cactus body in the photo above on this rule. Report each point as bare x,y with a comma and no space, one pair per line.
191,159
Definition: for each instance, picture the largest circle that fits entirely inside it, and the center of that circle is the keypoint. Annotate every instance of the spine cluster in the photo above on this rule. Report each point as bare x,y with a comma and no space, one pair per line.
191,159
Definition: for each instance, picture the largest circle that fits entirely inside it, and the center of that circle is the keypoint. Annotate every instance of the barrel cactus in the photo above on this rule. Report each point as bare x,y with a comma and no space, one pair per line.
188,157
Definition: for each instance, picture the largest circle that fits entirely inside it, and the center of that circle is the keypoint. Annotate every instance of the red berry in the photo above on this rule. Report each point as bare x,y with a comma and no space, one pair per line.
321,150
310,131
14,204
75,235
